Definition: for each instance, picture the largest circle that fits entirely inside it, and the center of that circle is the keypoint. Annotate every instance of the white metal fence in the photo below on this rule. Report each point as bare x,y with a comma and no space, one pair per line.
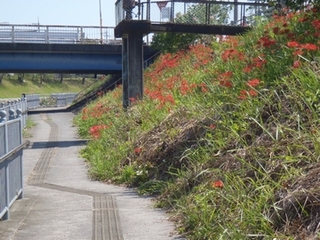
12,109
13,114
11,174
18,33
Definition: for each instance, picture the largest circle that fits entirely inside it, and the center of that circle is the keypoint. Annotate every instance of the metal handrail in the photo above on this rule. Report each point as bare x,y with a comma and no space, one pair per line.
192,12
14,151
26,33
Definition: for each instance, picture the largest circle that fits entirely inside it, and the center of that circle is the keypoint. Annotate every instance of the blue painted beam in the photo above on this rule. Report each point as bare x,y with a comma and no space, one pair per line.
33,62
60,58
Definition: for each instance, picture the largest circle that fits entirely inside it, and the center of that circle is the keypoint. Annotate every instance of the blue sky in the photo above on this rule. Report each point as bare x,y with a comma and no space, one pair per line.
58,12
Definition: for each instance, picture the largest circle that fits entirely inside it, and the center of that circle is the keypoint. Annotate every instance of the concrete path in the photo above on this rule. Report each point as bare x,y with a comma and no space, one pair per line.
60,202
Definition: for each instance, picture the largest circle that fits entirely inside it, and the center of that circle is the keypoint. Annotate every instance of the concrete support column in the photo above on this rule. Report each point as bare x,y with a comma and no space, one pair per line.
132,68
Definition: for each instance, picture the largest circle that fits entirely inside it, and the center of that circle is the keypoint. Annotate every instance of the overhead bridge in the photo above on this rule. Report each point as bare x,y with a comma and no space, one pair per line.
60,49
62,58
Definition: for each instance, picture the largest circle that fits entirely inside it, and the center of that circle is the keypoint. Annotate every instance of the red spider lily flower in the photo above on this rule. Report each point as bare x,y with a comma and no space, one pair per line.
217,184
316,24
303,19
309,46
230,54
296,64
293,44
258,62
224,79
95,131
252,93
225,76
297,52
243,95
267,42
253,82
170,99
317,34
137,150
226,83
132,99
203,87
276,30
84,110
247,69
184,87
291,36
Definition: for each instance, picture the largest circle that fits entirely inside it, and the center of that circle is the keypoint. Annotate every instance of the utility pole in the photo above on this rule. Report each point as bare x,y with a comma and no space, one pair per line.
101,39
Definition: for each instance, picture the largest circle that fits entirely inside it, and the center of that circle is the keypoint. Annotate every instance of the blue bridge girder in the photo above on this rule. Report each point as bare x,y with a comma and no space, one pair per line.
61,58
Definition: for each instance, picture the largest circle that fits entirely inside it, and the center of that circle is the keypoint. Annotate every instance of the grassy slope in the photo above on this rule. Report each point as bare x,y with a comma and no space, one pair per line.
227,136
12,88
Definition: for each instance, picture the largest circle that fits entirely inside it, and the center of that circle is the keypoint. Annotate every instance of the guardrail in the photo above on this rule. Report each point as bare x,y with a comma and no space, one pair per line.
13,114
18,33
50,100
193,12
11,109
11,173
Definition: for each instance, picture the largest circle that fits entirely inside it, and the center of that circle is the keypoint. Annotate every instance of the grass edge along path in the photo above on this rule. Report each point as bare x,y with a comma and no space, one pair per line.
227,135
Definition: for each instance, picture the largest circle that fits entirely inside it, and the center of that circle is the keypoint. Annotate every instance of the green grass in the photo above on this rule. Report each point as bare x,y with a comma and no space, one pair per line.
12,88
226,136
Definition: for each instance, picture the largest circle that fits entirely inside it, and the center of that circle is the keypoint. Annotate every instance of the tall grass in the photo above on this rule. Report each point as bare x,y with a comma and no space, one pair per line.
223,132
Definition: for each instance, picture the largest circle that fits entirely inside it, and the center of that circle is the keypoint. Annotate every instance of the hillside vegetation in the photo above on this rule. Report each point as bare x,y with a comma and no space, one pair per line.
11,87
227,136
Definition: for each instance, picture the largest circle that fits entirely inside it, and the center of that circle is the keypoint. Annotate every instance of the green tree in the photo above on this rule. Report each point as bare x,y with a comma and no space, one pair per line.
196,14
293,4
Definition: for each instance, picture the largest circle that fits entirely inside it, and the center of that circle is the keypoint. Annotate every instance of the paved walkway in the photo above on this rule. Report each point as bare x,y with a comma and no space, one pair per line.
60,202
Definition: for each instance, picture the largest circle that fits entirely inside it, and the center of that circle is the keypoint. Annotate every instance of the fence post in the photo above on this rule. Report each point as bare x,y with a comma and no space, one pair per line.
3,116
3,119
12,34
21,126
11,114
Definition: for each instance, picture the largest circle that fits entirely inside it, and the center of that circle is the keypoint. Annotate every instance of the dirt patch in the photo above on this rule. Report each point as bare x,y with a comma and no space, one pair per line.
296,209
162,148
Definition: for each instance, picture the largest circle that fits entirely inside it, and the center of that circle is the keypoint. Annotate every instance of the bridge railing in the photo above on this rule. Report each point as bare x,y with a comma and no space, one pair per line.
17,33
192,12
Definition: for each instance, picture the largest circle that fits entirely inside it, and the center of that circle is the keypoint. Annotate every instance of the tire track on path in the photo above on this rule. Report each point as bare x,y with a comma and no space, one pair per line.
106,221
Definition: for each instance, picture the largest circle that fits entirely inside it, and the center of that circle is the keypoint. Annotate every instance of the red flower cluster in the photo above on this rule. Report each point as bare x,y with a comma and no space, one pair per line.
137,150
296,64
244,94
202,53
257,62
167,61
95,131
224,79
316,24
217,184
231,54
266,41
253,82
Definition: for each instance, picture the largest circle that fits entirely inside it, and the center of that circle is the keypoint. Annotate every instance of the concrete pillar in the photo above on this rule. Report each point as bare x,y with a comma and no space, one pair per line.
132,68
